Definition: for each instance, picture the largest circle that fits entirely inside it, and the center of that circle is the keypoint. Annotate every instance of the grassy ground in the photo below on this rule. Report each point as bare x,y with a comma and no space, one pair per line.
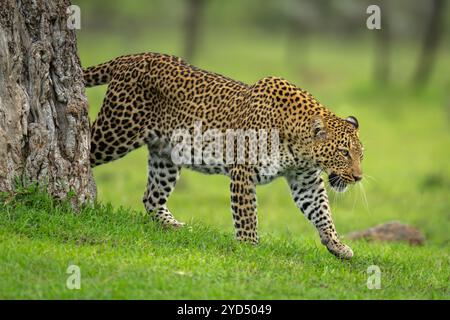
123,255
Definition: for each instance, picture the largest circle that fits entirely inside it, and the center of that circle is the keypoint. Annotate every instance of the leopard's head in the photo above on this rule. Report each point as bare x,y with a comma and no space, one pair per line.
337,149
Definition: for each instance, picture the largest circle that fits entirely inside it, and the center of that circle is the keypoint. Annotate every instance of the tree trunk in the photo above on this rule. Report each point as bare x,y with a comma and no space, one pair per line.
382,47
44,125
431,43
194,10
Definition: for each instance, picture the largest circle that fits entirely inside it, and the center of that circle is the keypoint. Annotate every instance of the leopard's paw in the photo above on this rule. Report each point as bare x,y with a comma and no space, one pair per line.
254,240
174,224
340,250
335,246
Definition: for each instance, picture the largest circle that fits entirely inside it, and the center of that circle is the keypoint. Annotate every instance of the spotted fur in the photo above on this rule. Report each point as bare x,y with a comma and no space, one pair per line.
151,95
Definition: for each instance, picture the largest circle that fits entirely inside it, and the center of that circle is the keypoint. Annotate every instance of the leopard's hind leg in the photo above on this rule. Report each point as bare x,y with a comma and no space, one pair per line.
162,177
120,127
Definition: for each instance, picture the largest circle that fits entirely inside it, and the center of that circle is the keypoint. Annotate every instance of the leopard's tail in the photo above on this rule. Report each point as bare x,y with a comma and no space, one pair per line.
99,74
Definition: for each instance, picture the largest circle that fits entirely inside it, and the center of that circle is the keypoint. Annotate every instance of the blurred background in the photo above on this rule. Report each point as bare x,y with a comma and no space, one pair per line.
396,81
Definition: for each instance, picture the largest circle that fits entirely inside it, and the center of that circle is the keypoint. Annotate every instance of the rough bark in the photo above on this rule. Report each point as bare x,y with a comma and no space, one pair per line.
44,126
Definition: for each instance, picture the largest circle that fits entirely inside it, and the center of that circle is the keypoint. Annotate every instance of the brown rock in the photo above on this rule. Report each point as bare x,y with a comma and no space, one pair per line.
390,231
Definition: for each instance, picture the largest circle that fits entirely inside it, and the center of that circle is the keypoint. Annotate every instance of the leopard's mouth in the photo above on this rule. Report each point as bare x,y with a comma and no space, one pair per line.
337,183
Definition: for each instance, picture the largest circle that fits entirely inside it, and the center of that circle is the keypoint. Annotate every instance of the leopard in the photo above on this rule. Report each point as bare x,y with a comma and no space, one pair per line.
151,97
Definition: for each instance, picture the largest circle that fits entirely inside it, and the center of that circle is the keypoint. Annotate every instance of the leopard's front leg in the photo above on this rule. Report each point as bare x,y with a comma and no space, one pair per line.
311,198
243,203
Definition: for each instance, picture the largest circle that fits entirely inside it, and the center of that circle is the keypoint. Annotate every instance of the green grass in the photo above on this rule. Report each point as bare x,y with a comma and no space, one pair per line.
122,255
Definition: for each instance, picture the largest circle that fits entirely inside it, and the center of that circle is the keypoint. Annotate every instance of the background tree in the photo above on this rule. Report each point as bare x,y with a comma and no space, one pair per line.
382,46
431,42
192,22
44,127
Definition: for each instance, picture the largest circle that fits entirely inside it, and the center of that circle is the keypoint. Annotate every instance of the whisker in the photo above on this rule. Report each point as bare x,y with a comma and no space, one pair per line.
370,177
355,197
363,192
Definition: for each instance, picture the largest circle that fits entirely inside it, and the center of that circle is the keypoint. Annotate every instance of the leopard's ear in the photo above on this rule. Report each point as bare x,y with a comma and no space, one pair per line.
353,121
318,128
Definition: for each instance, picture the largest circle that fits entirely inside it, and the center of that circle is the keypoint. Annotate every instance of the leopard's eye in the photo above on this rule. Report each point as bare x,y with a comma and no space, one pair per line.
345,152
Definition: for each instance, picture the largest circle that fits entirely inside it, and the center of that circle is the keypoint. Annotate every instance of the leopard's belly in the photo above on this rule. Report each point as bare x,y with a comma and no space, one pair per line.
263,175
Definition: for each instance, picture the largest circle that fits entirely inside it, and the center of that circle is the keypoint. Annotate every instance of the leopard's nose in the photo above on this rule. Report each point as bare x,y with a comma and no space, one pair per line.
357,177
